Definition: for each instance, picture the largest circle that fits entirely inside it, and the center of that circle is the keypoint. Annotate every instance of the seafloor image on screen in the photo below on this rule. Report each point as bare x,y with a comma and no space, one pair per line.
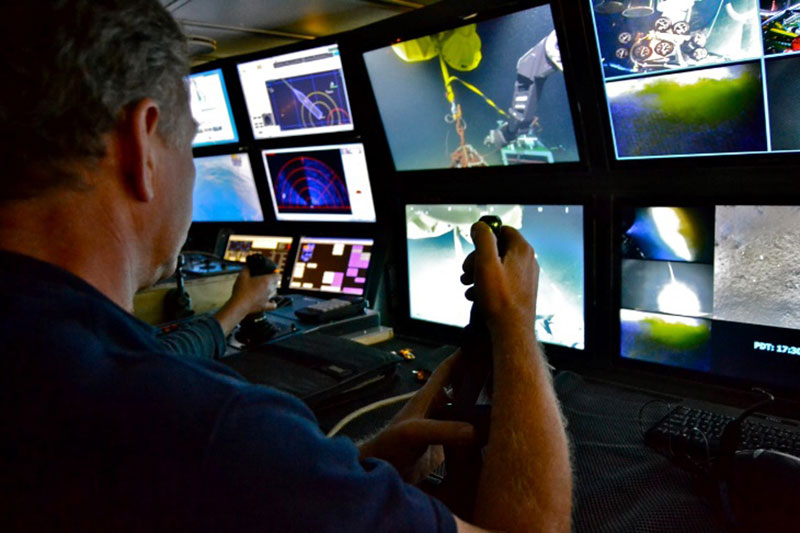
756,275
783,83
640,36
439,240
309,183
483,110
665,339
668,233
309,101
780,26
225,190
668,287
717,110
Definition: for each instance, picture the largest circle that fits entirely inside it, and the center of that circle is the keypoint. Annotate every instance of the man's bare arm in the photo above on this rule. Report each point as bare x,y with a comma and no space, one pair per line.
526,480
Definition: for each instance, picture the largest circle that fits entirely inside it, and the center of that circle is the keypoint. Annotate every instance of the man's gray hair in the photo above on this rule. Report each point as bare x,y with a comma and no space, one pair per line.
71,69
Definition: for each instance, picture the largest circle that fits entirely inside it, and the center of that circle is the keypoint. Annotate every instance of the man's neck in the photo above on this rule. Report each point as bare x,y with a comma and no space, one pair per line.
68,231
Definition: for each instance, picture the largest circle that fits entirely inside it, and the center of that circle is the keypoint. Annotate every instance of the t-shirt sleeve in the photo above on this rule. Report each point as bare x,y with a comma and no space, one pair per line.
270,468
202,337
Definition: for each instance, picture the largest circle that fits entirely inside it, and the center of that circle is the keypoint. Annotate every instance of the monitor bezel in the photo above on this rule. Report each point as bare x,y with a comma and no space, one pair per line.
236,61
713,387
448,15
376,265
729,161
560,356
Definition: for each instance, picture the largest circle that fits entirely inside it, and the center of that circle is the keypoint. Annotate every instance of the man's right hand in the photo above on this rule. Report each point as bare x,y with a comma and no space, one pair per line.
504,286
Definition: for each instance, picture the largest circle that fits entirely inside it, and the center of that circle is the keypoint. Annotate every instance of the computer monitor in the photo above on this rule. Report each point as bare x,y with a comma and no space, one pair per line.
211,109
712,289
275,248
320,183
484,93
332,265
225,190
699,78
438,240
297,93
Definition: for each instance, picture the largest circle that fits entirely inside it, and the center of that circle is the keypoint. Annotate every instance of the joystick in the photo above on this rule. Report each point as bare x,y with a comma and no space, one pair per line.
256,328
177,302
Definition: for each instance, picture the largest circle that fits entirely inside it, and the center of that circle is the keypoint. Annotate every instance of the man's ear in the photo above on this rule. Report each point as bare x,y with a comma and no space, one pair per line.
140,139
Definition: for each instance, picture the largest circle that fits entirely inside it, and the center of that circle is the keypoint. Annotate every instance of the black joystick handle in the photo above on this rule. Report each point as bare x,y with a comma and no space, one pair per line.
476,349
256,328
260,265
177,301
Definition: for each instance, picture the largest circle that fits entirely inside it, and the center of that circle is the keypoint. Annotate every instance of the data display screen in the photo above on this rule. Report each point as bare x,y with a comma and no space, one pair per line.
225,190
299,93
320,183
700,78
274,248
211,109
334,265
438,241
490,93
713,289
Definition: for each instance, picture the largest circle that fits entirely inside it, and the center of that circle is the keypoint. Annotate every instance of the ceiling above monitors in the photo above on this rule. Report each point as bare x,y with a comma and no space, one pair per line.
488,93
699,78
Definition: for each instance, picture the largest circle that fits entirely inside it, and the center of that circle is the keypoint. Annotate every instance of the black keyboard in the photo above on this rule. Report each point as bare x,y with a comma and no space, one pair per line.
697,432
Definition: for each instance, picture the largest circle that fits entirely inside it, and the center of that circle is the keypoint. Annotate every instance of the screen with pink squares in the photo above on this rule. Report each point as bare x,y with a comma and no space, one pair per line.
337,265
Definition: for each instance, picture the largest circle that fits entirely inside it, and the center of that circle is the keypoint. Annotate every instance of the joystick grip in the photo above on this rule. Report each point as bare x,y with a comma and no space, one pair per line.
260,265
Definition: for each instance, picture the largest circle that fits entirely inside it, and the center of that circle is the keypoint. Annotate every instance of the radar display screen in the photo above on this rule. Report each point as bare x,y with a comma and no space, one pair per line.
320,183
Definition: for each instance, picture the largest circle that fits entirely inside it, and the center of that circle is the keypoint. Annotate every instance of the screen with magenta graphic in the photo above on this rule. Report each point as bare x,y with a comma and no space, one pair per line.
337,265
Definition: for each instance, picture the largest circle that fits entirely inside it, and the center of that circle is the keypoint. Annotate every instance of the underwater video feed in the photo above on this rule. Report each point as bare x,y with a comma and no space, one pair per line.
780,26
225,190
668,287
668,233
756,277
438,241
734,314
485,94
666,339
783,80
718,110
640,36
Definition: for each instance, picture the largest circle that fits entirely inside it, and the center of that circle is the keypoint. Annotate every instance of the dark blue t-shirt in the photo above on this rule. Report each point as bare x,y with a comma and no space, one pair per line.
101,428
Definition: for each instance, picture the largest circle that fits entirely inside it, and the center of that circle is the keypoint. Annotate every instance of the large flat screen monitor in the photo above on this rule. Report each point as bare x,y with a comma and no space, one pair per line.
297,93
713,290
211,109
438,241
700,78
320,183
332,265
481,94
225,190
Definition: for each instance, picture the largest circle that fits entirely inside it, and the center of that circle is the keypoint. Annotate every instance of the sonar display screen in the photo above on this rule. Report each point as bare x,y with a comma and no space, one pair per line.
438,241
700,78
485,94
713,289
211,109
297,93
225,190
320,183
332,265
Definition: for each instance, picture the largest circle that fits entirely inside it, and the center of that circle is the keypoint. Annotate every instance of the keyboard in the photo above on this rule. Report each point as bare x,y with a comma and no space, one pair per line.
697,432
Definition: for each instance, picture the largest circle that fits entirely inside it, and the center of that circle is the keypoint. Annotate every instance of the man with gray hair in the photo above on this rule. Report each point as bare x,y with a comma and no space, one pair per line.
102,428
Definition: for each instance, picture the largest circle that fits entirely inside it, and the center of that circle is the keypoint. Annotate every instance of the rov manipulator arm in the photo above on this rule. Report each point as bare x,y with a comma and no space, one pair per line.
533,69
